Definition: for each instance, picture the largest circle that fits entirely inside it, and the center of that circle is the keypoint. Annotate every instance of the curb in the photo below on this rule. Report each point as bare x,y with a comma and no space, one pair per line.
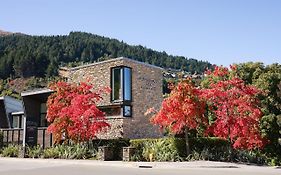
157,165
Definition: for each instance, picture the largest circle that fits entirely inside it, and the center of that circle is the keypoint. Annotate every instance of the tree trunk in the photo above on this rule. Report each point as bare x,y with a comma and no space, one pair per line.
230,146
187,142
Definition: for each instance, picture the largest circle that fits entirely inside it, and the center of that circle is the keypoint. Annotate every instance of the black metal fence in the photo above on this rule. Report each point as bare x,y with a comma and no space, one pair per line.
15,136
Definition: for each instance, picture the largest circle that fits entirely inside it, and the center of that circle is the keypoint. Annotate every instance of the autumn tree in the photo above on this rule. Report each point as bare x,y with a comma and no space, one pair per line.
72,112
235,109
268,79
182,111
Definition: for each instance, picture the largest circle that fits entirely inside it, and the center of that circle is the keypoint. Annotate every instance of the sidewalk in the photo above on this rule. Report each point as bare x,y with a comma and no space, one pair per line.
160,165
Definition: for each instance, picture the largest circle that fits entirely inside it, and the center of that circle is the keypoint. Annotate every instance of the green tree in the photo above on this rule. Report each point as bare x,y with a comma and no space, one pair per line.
267,78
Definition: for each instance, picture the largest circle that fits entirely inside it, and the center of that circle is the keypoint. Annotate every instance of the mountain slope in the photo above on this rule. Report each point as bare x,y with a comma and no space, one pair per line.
4,33
25,56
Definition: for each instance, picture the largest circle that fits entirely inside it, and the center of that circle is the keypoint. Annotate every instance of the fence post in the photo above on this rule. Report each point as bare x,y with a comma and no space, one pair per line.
43,138
13,136
19,136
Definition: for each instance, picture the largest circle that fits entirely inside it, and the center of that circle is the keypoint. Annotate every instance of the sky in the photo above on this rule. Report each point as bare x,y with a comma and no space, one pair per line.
221,32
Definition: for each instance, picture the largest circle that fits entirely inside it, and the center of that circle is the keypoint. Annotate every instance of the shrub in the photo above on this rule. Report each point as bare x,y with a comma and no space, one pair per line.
51,152
160,149
214,149
173,149
11,151
76,151
85,150
34,152
73,151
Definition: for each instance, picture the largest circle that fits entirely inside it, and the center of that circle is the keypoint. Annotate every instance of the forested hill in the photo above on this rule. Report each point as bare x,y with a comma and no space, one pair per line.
40,56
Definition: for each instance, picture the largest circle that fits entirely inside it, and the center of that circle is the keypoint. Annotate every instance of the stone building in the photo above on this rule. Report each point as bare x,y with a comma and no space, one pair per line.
135,87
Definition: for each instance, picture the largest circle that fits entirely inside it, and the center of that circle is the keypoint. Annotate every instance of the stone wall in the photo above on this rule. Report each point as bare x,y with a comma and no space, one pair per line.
146,93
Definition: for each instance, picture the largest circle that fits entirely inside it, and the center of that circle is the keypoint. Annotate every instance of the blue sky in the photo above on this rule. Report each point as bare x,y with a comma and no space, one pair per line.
219,31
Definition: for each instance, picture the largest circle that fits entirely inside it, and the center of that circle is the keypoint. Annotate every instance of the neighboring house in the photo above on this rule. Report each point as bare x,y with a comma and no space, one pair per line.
35,106
135,87
31,109
11,114
35,111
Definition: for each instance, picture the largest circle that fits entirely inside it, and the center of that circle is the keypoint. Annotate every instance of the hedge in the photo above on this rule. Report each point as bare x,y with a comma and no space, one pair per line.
173,149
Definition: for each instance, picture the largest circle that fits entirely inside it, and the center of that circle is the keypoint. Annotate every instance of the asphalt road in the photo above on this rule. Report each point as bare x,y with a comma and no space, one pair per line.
56,167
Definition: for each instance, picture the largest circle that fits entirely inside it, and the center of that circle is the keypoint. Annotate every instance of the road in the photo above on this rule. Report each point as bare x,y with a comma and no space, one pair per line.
57,167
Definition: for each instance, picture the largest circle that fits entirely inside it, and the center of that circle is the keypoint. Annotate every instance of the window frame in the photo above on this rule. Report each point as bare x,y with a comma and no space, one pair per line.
19,119
122,84
43,113
123,111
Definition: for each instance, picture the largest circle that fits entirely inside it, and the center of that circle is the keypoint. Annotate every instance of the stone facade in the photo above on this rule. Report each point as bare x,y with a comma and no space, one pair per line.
146,93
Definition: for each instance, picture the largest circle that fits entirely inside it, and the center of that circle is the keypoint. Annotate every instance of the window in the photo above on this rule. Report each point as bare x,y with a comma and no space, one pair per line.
43,113
121,84
127,84
116,84
17,121
127,111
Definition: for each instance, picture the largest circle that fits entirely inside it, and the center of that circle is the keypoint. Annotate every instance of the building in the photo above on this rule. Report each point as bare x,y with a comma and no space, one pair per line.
135,87
11,112
35,106
35,111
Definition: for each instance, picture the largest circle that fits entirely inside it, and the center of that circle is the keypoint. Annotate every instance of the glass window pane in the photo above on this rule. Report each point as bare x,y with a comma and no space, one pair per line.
116,84
127,111
16,121
127,84
43,108
43,112
43,120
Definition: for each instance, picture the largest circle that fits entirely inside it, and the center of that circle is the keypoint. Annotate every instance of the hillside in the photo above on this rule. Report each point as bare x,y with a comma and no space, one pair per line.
40,56
4,33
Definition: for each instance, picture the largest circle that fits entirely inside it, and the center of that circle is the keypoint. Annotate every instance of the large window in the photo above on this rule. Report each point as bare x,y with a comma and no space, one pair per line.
121,84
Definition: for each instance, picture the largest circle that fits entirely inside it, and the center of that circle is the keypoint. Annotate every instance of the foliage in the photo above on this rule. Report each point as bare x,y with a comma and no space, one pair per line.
235,109
40,56
72,112
202,148
173,149
72,151
34,152
75,151
85,150
267,78
51,152
182,110
13,87
160,149
11,151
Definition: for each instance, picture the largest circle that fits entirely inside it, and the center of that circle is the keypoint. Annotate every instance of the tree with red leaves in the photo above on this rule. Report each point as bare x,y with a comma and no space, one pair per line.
235,108
182,111
72,112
